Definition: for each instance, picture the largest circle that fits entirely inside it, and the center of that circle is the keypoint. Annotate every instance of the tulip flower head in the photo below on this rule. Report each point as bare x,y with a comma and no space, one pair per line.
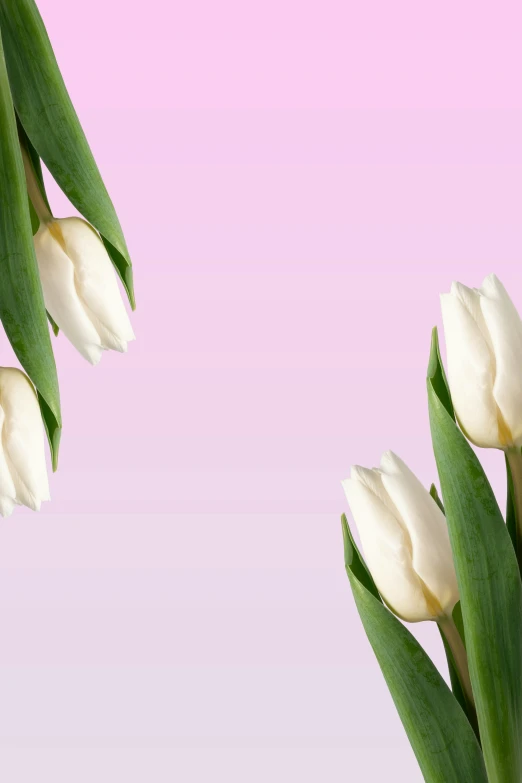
80,288
483,333
405,540
23,473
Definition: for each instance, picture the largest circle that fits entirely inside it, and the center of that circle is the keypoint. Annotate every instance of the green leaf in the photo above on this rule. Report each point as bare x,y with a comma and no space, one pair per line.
437,375
489,585
511,517
439,732
35,220
22,308
435,495
50,121
459,621
354,561
54,325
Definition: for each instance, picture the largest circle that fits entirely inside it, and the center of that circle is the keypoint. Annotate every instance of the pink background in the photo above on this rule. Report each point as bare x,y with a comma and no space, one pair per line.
297,182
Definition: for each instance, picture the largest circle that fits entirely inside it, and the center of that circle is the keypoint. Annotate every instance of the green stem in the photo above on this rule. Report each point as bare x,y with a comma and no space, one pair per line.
33,190
514,458
460,659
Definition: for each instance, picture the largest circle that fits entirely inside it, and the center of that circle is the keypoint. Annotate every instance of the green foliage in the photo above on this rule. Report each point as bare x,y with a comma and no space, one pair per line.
489,585
440,734
22,308
51,124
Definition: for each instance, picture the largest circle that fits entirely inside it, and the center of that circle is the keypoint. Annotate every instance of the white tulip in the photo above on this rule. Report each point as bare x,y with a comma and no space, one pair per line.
405,540
80,288
23,473
483,334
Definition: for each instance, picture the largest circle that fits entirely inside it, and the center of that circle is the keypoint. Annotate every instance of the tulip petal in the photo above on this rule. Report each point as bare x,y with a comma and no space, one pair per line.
505,329
7,487
80,288
387,549
57,274
96,284
427,528
471,369
22,438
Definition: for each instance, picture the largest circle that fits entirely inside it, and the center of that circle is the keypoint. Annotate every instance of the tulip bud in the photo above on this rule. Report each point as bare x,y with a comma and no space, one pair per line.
483,334
23,474
405,540
80,288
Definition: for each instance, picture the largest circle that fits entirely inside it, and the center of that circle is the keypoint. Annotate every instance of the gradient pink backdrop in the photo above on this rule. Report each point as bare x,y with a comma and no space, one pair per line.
297,182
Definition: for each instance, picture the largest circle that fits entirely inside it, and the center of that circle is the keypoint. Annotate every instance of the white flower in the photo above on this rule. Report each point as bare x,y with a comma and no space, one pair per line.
405,540
80,288
23,473
483,334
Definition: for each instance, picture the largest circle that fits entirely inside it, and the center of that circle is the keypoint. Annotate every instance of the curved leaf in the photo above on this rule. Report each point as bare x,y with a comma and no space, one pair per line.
22,308
51,123
489,585
511,517
440,734
354,561
437,375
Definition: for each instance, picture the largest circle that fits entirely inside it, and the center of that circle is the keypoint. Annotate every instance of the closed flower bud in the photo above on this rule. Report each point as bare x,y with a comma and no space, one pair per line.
80,288
405,540
23,473
483,333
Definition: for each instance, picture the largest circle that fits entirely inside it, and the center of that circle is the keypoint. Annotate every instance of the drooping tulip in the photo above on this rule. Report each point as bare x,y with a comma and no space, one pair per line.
483,334
80,288
405,540
23,473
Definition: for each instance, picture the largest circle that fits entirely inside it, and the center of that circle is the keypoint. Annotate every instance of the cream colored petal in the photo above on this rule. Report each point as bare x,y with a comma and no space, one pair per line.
471,372
61,296
505,329
7,487
427,528
387,553
97,284
371,478
23,438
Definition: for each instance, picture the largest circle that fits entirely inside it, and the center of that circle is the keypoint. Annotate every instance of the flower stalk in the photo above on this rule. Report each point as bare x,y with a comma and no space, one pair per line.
453,638
33,189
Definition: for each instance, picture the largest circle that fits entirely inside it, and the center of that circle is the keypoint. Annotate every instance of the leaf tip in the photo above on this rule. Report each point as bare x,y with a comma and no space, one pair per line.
347,540
436,381
53,428
129,286
433,362
54,445
435,495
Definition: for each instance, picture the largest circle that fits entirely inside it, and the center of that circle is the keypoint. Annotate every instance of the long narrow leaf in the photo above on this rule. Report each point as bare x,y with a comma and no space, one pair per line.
22,309
440,734
489,584
354,561
511,518
51,123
